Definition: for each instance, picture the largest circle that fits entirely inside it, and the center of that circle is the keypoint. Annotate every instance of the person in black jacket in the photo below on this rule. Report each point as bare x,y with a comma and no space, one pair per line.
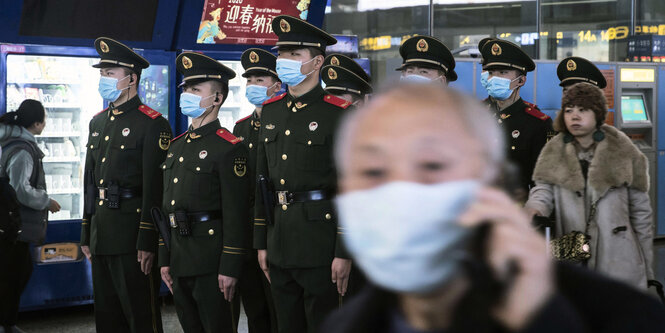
443,247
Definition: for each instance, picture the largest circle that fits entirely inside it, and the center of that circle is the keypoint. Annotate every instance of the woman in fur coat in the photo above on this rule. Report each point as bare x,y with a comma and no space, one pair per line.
594,180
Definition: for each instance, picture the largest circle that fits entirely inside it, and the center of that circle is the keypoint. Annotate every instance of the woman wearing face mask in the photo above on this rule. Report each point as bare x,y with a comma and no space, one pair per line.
21,162
446,252
595,181
526,128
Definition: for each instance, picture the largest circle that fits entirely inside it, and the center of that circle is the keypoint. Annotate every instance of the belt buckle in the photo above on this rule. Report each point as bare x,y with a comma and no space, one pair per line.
283,197
172,220
102,193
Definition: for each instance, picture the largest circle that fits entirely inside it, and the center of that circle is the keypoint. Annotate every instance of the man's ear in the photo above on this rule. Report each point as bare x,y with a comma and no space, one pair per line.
318,63
219,97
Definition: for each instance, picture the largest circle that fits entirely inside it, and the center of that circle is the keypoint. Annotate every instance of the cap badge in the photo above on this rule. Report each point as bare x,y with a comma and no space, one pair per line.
332,74
496,49
186,62
571,65
284,26
334,61
422,45
516,134
203,154
313,126
253,57
125,131
104,47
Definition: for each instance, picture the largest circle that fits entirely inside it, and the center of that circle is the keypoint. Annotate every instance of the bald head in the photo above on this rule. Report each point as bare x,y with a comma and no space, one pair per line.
418,133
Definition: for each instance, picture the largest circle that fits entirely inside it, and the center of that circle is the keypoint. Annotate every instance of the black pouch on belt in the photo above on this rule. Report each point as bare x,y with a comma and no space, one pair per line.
113,195
184,226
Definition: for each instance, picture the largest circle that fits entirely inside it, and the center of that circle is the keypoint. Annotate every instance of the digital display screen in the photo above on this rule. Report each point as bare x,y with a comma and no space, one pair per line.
633,108
347,45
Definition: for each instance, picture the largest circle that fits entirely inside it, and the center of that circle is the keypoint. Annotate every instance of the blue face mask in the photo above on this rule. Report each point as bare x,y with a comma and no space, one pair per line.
108,88
257,94
499,87
190,105
417,79
405,235
288,71
483,79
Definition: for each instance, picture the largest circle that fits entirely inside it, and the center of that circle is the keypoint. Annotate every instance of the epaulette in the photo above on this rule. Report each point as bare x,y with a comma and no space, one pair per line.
243,119
334,100
532,110
178,137
148,111
100,112
228,136
274,99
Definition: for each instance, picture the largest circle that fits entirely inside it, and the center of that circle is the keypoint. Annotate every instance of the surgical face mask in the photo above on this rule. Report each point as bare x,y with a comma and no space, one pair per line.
108,88
415,78
257,94
404,235
483,79
190,105
499,87
288,71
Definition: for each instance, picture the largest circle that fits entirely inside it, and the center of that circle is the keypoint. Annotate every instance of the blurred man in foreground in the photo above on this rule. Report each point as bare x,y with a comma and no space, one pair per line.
445,250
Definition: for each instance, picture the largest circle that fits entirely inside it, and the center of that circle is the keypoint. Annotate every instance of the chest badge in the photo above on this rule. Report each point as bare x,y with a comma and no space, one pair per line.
203,154
95,134
270,126
515,134
313,126
125,131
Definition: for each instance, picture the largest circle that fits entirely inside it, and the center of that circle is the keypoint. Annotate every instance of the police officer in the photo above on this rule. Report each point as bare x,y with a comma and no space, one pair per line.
345,79
127,142
527,129
425,59
298,240
206,189
254,289
576,69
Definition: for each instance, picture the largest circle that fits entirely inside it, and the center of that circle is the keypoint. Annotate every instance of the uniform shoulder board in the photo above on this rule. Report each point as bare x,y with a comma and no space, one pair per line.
100,112
228,136
243,119
148,111
334,100
274,99
532,110
178,137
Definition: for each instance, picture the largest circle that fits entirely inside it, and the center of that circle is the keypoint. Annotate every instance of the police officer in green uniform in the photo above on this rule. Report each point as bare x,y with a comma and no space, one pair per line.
126,144
253,287
425,59
297,237
527,129
577,69
344,78
206,190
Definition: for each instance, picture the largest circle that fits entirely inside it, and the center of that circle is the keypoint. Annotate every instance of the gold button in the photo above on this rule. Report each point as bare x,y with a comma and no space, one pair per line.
287,132
112,118
294,109
513,147
175,180
106,138
309,143
172,202
250,146
266,140
122,146
211,232
328,216
101,181
163,166
92,146
101,202
103,159
284,157
138,210
181,159
284,207
500,121
188,140
282,181
198,168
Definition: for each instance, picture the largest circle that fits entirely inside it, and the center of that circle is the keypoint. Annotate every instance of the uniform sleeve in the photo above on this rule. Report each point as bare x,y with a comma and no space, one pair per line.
234,183
340,248
19,169
163,256
87,217
154,154
260,222
539,141
641,219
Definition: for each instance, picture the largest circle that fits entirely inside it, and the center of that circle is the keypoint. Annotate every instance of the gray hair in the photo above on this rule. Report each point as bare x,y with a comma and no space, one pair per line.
478,120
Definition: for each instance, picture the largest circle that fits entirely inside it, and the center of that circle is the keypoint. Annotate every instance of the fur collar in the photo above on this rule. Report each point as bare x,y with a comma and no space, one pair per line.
616,162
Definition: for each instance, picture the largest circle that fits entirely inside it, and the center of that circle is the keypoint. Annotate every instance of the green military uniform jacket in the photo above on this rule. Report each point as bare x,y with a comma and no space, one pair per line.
247,130
126,145
296,154
206,171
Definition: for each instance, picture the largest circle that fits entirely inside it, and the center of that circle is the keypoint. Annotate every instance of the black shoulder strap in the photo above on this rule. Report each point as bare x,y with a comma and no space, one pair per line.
23,144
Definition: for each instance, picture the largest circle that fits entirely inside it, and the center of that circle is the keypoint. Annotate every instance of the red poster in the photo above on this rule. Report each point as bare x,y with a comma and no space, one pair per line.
245,21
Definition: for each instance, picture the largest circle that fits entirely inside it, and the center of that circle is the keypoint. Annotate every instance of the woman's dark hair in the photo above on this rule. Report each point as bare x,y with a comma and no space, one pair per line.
28,113
583,95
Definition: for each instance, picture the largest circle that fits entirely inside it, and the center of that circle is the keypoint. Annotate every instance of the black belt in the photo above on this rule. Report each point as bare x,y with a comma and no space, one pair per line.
123,193
287,198
181,215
